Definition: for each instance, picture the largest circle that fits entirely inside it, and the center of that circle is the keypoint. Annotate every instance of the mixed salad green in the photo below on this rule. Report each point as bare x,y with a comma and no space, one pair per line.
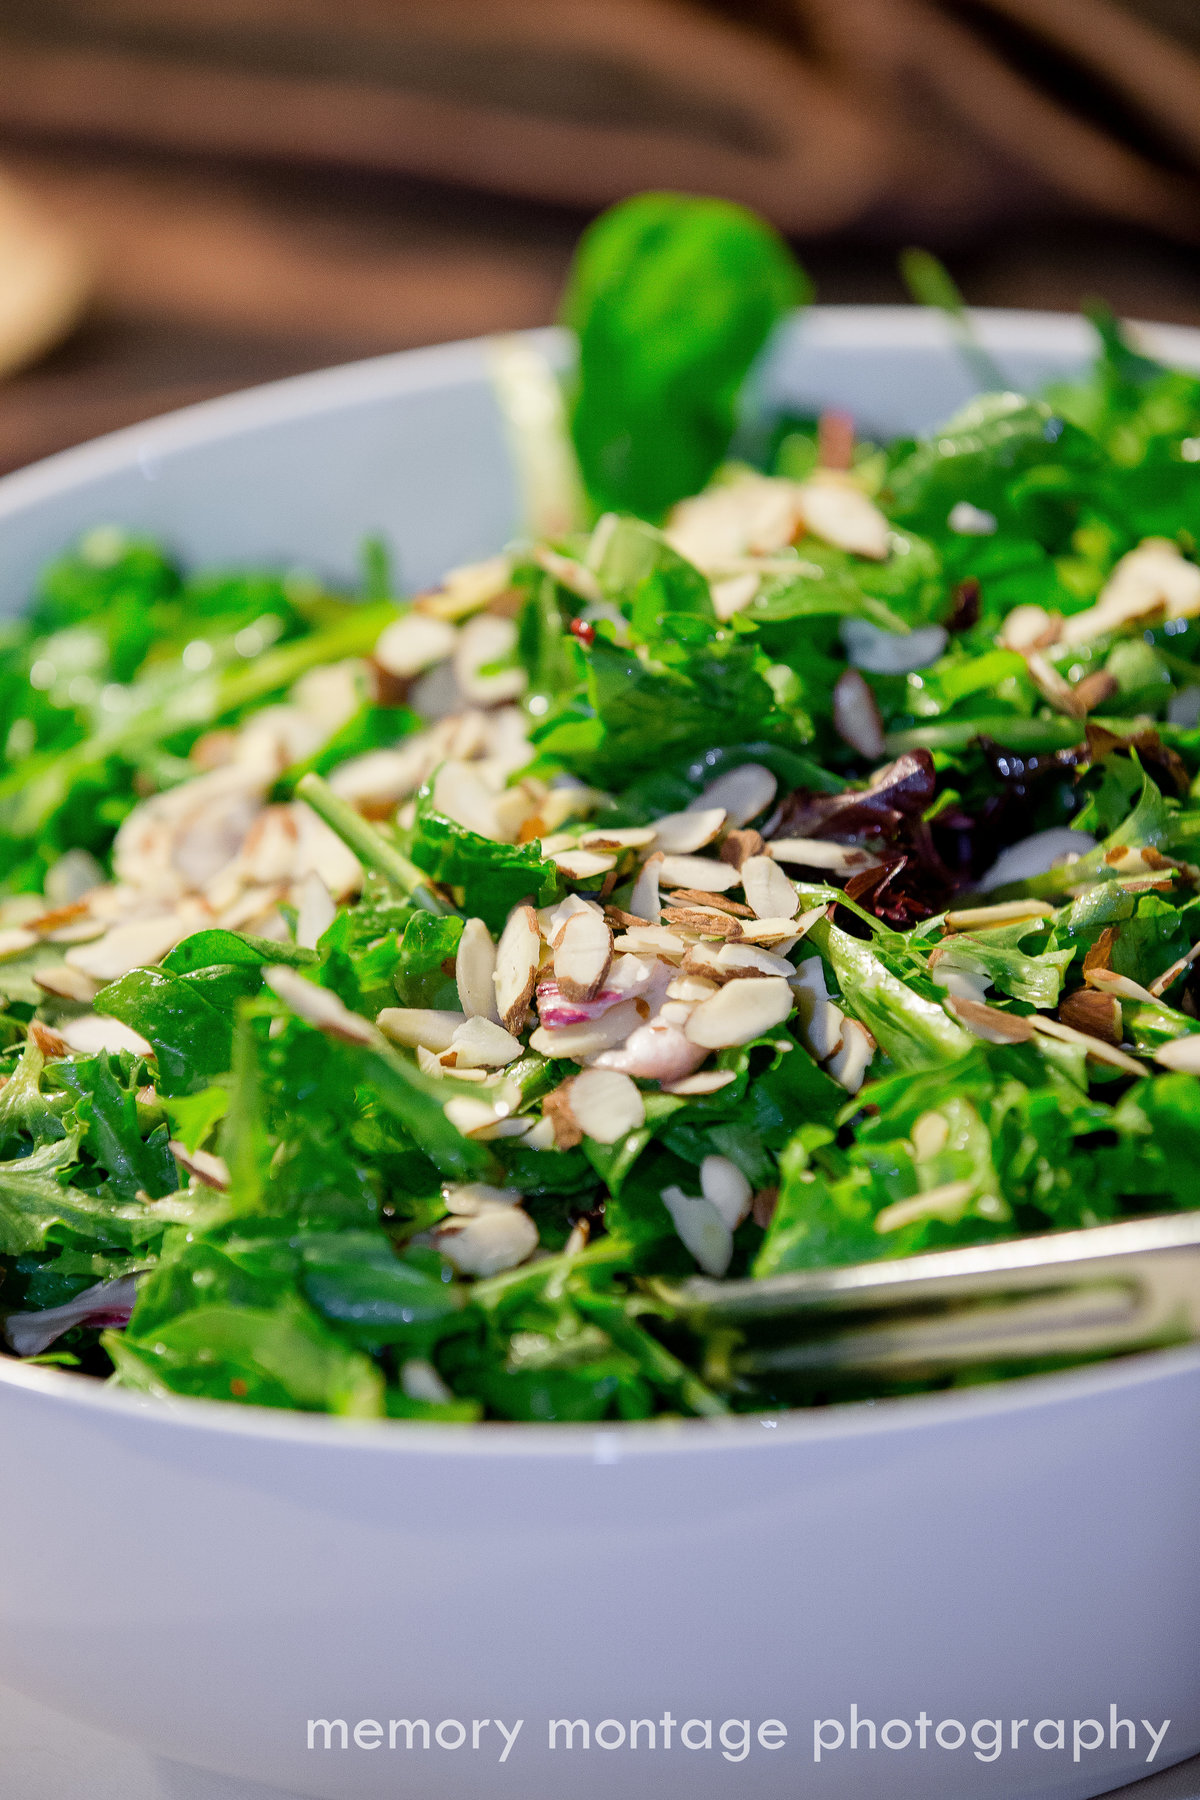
792,861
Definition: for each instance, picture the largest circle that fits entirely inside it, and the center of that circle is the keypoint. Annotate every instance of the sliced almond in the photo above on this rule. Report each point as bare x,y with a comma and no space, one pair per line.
849,1064
644,901
467,1198
1004,912
651,940
318,1006
578,1042
68,984
551,919
1182,1054
1107,981
989,1023
721,902
420,1027
583,865
127,947
947,1203
211,1170
606,1105
704,1081
15,940
316,910
741,1010
481,1119
706,921
583,951
856,715
691,988
743,793
462,794
836,510
1161,983
1095,1047
1095,1013
414,643
419,1380
819,1020
556,1107
768,889
747,959
50,1043
817,853
738,845
631,837
475,971
1029,627
92,1033
479,1043
722,1183
489,1243
930,1135
700,1229
517,957
702,872
679,834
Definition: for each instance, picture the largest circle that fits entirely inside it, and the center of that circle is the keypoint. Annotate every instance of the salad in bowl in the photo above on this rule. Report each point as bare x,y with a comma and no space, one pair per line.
783,855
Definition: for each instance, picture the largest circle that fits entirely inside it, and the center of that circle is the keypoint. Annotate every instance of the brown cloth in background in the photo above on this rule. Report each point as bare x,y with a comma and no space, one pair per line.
889,116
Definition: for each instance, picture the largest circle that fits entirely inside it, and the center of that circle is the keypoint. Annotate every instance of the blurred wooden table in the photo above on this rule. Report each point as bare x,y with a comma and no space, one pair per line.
214,276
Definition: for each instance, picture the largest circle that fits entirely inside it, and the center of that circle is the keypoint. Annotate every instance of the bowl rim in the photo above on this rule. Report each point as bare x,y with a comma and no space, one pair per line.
1013,331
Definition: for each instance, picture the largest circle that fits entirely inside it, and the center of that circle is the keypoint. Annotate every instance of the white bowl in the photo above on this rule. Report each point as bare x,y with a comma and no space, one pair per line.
205,1580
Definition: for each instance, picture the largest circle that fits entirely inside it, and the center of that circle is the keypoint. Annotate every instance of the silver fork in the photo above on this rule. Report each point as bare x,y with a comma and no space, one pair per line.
1069,1295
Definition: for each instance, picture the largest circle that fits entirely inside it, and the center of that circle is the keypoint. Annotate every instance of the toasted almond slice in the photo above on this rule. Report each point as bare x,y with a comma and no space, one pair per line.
420,1027
127,947
723,1184
644,900
213,1171
836,510
817,853
318,1006
679,834
704,1081
627,837
583,950
517,957
68,984
50,1043
738,845
849,1064
15,940
1093,1012
1109,982
820,1021
707,921
947,1202
744,959
1182,1054
478,1043
703,872
607,1106
577,1042
691,988
583,865
651,940
700,1229
782,933
1161,983
551,919
1094,1046
460,792
768,889
721,902
414,643
466,1198
1004,912
989,1022
315,910
558,1113
741,1010
744,793
489,1243
475,971
91,1033
623,920
856,716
